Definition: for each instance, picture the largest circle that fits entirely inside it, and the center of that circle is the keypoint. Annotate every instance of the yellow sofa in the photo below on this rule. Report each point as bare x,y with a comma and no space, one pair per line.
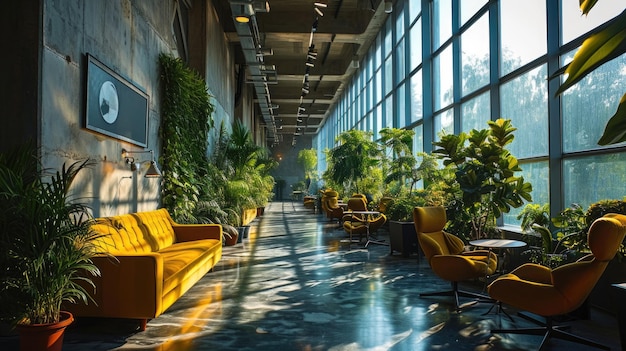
155,262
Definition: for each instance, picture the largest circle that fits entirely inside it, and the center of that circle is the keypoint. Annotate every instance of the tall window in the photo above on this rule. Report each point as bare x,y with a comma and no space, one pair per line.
443,78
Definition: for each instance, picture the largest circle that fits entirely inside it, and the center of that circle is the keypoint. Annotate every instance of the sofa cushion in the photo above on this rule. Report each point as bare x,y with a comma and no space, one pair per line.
182,259
136,232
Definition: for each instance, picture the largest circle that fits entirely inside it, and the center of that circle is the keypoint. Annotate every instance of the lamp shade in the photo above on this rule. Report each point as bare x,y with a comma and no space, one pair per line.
153,171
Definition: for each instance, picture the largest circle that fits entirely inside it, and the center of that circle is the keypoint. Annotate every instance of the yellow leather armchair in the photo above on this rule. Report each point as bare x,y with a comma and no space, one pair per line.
359,223
446,253
551,292
330,200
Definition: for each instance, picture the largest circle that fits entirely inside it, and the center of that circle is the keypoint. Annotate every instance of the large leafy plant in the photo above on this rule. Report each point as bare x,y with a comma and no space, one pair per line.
46,243
186,121
598,49
485,183
352,160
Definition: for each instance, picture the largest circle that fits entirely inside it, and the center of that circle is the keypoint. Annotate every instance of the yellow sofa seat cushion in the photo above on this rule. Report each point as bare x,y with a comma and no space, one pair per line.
183,259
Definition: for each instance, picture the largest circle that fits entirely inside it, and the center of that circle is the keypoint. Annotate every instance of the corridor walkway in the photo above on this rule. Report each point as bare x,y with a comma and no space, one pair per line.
292,286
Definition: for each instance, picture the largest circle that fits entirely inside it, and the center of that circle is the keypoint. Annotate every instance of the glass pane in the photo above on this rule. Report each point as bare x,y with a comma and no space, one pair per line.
442,22
400,62
575,23
416,44
379,119
378,52
523,33
388,39
415,8
524,101
417,102
469,8
389,112
400,120
399,24
593,178
418,139
379,86
588,105
443,123
475,56
475,113
442,78
537,174
388,75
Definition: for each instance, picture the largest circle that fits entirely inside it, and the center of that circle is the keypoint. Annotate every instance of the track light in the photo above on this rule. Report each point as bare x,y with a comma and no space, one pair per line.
319,12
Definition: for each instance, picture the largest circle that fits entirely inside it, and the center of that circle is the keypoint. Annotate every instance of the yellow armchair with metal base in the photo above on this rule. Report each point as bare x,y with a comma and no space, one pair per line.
446,253
552,292
361,224
330,200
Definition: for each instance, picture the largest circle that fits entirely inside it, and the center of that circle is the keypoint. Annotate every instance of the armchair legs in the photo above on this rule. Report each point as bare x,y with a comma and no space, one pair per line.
551,331
458,293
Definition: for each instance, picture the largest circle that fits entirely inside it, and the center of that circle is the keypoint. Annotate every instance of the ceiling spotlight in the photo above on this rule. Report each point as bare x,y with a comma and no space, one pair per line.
305,90
299,119
320,4
319,12
301,109
309,64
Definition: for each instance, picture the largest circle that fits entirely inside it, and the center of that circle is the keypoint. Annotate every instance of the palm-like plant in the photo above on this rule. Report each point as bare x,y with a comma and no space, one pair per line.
45,241
353,159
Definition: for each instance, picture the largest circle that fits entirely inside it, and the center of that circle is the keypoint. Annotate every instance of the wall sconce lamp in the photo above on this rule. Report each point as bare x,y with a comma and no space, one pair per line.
153,170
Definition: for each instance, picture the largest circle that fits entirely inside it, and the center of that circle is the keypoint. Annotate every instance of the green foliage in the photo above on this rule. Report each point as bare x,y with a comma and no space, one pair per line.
243,172
46,240
573,223
484,184
353,159
186,121
307,158
599,48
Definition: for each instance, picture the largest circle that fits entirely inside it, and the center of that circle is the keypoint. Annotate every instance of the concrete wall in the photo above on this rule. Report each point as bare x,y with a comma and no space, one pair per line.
127,36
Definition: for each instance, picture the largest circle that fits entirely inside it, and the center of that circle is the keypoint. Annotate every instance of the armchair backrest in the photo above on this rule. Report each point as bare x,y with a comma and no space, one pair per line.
429,223
576,280
357,204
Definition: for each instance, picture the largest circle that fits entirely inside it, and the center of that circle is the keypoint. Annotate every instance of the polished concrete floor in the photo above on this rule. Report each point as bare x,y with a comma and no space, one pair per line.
292,285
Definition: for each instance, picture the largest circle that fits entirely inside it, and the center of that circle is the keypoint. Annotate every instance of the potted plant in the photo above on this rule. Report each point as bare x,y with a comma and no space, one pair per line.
45,248
485,183
402,235
355,158
535,224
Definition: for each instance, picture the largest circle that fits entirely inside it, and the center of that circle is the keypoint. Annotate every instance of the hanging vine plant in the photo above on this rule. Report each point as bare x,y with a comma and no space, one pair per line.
185,123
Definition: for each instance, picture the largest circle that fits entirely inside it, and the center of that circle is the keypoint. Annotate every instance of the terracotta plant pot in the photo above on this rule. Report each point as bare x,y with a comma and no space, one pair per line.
40,337
231,239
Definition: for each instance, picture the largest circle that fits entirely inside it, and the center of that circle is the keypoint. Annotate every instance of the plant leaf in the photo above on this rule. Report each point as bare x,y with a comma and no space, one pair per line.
615,130
586,5
596,50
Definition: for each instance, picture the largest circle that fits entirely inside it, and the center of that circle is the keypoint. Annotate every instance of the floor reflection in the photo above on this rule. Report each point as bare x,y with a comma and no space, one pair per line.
292,285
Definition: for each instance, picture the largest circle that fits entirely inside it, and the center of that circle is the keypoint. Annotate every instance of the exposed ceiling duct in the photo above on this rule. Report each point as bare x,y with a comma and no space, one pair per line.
260,74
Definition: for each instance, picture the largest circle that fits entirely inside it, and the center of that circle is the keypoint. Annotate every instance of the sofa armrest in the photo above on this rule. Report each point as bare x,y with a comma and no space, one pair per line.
130,285
191,232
